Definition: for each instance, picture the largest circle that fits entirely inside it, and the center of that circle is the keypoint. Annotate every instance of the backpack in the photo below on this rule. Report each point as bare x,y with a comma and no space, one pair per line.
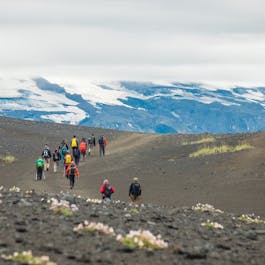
68,159
82,147
136,189
72,171
76,152
56,156
89,140
93,139
74,142
108,191
46,153
39,163
101,140
64,150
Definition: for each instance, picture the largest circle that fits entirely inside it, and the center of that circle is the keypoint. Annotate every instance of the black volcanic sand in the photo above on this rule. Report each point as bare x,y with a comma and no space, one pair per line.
234,182
27,223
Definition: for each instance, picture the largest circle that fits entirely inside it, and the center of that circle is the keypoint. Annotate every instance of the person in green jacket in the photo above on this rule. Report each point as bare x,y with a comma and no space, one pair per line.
40,169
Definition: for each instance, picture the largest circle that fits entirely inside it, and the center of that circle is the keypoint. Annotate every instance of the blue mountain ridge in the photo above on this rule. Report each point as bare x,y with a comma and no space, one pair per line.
174,108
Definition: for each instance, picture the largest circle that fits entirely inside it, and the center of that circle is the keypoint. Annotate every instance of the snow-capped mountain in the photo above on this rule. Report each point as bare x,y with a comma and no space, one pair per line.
136,106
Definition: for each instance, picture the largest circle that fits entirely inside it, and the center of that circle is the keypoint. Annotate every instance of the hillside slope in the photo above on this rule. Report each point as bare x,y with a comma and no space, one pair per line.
29,223
234,182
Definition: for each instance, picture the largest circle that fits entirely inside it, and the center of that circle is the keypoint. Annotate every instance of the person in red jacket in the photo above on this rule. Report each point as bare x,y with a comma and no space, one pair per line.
72,172
83,148
106,190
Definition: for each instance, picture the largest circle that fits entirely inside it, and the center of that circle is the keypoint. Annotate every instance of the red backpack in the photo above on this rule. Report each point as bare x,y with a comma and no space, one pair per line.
82,147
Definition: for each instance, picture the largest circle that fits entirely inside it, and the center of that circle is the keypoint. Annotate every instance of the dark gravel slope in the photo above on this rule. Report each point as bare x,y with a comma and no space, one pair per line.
234,182
28,223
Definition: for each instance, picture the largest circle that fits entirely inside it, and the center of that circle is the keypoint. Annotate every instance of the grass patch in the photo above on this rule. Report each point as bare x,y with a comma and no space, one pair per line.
201,141
220,149
7,159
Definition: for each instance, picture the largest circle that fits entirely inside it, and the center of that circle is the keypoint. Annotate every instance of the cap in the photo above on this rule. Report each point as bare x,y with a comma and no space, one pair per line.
135,179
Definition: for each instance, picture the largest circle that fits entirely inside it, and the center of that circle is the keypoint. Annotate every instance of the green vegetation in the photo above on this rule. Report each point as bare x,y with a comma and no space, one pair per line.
138,243
251,219
26,257
201,141
63,211
134,211
210,224
143,240
220,149
7,159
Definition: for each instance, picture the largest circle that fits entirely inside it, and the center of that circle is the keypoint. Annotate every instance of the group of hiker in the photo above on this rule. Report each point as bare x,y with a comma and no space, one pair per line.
69,161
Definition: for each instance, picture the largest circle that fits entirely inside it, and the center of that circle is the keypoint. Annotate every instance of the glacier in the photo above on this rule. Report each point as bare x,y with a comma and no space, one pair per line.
136,106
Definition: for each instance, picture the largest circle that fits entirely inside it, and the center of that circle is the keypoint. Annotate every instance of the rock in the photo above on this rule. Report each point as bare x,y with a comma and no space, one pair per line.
25,203
251,235
69,198
21,229
196,252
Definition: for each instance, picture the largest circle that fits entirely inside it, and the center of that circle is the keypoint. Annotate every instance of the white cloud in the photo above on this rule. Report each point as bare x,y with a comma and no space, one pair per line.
219,42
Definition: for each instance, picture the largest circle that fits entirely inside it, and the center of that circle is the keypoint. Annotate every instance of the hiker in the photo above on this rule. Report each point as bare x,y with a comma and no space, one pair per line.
46,154
93,139
39,168
102,141
90,145
56,158
63,150
72,172
135,190
74,143
83,148
106,190
67,161
76,155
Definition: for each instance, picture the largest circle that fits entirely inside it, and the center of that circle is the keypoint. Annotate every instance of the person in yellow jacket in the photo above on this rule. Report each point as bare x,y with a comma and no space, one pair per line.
67,161
74,143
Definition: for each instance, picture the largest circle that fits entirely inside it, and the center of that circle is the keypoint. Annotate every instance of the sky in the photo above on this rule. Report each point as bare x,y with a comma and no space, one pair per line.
220,43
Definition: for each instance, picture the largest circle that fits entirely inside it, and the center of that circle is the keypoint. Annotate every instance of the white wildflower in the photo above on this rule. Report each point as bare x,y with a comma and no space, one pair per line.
212,224
86,226
206,208
143,239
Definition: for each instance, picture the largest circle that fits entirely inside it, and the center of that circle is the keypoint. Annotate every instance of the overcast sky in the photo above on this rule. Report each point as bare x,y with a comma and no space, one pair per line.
209,41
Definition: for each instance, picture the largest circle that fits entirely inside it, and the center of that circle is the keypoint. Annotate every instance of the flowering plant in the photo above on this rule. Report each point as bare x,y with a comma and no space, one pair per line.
251,219
96,201
14,189
26,257
86,226
28,193
63,207
212,224
142,239
206,208
134,211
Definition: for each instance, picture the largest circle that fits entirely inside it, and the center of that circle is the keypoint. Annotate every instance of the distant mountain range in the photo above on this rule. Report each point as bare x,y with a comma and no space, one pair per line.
136,106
